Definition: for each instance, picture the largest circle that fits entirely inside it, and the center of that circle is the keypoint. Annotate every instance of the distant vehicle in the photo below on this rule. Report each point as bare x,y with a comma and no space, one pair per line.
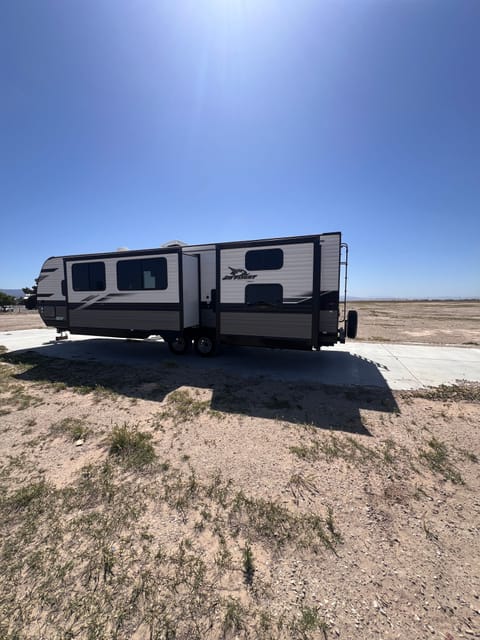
7,307
278,292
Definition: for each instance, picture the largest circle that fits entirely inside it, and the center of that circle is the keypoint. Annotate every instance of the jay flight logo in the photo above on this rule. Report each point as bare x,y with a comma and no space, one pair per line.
238,274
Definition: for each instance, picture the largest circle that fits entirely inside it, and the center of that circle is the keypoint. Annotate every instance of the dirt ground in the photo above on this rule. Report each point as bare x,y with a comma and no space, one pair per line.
20,319
427,322
166,503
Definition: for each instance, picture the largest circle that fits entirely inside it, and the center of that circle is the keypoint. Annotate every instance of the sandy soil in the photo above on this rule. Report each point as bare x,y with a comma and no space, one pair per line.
16,320
437,322
271,510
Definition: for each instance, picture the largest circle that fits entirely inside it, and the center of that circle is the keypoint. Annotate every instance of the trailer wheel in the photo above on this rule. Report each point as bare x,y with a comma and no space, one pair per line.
180,345
352,324
205,346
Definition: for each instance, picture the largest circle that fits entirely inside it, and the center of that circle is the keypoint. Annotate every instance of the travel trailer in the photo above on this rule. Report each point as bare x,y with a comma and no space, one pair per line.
278,292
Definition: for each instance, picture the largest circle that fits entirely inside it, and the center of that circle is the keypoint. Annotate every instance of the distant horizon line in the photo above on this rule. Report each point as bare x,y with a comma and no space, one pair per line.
412,298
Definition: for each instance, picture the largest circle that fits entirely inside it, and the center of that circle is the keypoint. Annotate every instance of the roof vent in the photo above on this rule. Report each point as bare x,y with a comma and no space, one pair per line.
122,249
174,243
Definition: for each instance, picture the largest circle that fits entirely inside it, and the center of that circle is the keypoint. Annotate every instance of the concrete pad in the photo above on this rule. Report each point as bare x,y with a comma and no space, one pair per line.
413,366
26,339
394,366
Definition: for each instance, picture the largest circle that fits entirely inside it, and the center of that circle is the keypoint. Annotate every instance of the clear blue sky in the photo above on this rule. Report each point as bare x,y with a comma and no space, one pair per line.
132,123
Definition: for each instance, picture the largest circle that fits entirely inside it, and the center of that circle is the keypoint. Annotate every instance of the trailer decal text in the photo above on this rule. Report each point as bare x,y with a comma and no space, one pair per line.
239,274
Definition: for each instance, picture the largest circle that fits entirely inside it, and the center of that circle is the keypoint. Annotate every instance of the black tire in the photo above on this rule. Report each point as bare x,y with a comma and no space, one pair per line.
352,324
205,346
180,345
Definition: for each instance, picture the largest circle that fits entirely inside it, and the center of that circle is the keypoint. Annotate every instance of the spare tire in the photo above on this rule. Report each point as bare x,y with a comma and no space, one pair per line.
352,324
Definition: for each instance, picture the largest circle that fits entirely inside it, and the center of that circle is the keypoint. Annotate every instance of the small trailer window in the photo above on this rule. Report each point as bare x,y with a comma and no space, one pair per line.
263,259
88,276
264,294
140,275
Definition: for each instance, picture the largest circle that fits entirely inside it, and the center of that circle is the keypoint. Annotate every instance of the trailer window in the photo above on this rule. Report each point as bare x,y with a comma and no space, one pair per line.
263,259
267,294
140,275
88,276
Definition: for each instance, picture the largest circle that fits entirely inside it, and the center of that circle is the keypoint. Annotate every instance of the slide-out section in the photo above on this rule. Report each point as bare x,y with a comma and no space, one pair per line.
266,292
124,294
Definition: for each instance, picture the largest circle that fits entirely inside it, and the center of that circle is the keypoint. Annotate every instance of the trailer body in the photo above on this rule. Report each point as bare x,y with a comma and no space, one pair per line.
276,292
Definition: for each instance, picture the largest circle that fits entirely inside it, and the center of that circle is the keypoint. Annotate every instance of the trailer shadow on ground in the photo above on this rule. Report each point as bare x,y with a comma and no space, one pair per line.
296,387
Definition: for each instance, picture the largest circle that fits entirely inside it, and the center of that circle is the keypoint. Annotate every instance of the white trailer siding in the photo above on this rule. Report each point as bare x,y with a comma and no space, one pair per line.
329,280
113,295
125,310
50,280
330,262
295,275
50,293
